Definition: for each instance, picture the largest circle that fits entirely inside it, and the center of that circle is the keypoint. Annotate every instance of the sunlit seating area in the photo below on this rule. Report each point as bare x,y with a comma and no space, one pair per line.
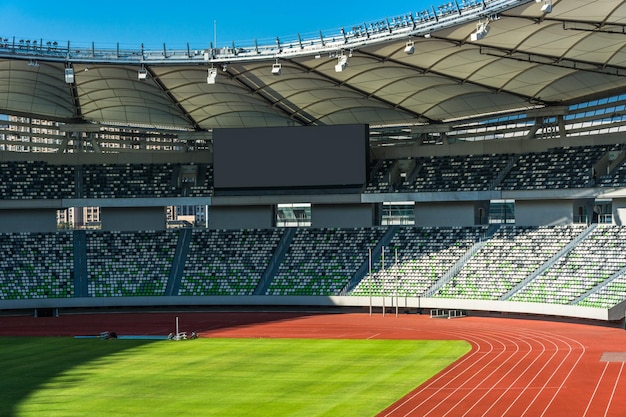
36,266
610,294
122,264
593,261
322,261
424,255
227,262
575,264
511,255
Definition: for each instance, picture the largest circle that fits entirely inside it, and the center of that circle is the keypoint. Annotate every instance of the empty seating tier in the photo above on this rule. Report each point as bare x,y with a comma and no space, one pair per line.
425,254
511,255
227,262
36,265
36,180
322,261
121,264
594,260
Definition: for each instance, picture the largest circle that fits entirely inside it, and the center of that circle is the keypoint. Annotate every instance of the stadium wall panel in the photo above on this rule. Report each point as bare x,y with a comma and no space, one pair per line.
543,212
405,304
342,215
241,217
28,220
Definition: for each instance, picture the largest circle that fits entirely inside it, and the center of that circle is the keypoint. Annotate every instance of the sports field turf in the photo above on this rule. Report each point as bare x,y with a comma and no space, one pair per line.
214,377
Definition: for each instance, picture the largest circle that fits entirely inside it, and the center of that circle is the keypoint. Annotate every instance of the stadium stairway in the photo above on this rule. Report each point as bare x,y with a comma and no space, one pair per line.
550,262
277,257
80,274
376,255
178,264
458,265
600,286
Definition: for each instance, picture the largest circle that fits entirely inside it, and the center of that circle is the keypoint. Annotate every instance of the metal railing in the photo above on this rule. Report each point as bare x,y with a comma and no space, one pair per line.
420,23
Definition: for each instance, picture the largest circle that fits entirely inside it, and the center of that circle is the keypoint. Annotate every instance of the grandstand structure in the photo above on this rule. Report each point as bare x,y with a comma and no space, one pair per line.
495,176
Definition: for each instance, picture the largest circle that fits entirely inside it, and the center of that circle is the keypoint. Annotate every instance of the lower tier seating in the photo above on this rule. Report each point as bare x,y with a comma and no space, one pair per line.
122,264
36,265
552,264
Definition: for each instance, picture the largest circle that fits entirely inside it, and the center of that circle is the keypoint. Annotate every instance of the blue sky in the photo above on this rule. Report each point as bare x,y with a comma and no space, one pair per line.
154,22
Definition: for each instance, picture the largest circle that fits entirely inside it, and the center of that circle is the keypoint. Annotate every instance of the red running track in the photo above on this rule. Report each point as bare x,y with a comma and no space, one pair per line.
517,367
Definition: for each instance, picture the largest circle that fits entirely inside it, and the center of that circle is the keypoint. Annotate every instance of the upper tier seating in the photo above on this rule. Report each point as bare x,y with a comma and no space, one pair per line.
616,179
203,184
36,180
556,168
36,265
121,264
227,262
130,180
379,178
322,261
457,173
570,167
511,255
424,256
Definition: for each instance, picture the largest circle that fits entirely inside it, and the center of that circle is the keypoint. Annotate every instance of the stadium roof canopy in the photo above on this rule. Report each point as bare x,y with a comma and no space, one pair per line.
463,60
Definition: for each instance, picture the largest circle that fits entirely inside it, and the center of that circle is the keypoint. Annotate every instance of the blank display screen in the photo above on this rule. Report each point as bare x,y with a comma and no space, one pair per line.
290,157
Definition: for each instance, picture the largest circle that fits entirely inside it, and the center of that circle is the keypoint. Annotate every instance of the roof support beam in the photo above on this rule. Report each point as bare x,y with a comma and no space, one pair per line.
568,63
494,90
172,99
78,114
275,104
369,96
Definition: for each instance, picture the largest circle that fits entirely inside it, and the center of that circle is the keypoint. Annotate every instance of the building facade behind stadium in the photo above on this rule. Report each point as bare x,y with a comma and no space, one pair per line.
461,195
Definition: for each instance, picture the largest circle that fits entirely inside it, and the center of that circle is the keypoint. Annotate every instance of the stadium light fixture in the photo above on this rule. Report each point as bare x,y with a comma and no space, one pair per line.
342,63
482,29
142,74
69,75
409,48
276,68
211,76
546,7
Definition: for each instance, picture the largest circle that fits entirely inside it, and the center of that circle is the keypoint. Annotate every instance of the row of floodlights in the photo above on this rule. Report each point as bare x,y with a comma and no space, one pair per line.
482,29
70,75
342,63
142,74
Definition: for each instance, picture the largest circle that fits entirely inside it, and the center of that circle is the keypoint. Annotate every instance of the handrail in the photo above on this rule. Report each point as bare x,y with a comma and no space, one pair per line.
413,24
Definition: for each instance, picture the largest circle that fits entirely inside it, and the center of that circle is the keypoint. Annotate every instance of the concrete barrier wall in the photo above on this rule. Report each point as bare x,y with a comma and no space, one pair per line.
318,301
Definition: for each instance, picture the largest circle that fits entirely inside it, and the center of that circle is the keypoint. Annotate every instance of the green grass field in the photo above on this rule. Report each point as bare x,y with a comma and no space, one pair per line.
214,377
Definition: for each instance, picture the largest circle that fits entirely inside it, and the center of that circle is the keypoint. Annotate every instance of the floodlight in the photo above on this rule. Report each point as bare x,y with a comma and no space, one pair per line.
211,76
409,48
546,7
142,74
342,63
69,75
276,69
482,29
